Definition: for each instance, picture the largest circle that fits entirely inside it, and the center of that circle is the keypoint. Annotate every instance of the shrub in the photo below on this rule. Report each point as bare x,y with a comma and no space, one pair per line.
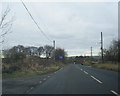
17,56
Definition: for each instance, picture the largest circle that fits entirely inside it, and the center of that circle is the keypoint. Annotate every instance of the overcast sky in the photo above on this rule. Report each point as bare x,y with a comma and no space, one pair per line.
75,26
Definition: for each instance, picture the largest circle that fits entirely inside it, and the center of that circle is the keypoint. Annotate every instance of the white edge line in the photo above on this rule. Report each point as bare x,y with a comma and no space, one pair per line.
114,92
96,79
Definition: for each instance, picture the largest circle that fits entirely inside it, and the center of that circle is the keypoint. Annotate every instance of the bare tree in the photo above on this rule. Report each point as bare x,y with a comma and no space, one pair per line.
112,52
5,23
40,51
48,50
31,51
60,54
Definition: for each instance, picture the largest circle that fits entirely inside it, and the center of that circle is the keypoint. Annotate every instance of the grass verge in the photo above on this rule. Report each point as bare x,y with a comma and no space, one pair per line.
107,66
32,72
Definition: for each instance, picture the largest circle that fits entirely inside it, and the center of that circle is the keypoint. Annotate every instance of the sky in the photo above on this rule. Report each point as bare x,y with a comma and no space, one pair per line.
75,26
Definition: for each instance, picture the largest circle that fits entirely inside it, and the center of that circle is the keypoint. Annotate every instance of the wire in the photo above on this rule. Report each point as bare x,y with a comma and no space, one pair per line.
35,21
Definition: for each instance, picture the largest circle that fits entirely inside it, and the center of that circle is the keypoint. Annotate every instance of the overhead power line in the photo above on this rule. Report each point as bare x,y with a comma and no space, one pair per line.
35,21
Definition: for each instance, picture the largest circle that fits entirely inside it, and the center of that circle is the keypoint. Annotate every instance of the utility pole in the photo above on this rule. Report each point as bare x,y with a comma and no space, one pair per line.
91,52
102,47
54,44
84,55
54,48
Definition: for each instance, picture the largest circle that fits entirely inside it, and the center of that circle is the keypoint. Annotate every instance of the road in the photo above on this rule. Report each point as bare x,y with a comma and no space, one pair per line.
71,79
79,79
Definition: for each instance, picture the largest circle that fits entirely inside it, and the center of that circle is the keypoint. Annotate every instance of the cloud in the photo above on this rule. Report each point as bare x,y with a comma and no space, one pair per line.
74,26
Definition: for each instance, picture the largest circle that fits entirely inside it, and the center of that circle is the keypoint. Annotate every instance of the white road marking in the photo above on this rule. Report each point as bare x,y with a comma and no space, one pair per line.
44,79
48,76
96,79
60,69
81,69
54,72
114,92
85,72
40,81
27,91
31,88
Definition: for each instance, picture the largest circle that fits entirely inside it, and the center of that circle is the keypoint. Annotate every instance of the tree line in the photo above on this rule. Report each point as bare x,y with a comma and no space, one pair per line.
19,58
20,52
113,52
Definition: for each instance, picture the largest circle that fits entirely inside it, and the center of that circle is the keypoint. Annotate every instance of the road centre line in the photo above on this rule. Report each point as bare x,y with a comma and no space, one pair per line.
60,69
85,72
114,92
92,76
40,81
96,79
44,79
29,89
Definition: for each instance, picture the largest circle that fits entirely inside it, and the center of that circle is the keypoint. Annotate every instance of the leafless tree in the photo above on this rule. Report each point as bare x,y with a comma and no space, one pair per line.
5,23
60,54
112,52
40,51
48,50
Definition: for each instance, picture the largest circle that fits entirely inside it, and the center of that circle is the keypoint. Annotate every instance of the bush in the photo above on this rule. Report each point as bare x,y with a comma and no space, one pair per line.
11,69
17,56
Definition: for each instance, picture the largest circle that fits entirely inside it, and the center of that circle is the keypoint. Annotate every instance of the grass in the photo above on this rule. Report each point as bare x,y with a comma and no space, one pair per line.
113,67
107,66
39,70
17,74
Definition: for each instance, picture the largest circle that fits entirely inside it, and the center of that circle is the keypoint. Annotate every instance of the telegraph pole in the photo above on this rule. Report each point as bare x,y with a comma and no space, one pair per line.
91,52
54,48
54,44
102,47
